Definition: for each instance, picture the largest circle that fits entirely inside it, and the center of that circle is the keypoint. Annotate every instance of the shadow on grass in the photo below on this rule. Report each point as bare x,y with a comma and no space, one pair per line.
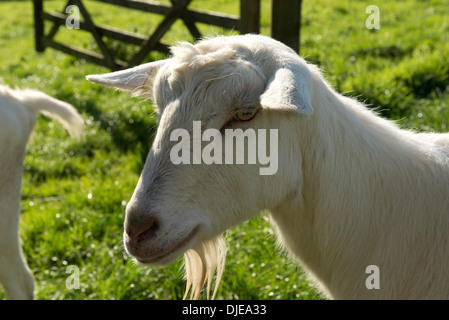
389,52
393,101
422,84
127,132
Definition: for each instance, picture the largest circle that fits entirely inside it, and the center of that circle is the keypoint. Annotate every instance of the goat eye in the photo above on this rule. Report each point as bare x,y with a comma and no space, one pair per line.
246,115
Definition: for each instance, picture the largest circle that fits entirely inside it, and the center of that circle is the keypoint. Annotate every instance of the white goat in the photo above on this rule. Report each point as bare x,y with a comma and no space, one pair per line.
18,110
352,189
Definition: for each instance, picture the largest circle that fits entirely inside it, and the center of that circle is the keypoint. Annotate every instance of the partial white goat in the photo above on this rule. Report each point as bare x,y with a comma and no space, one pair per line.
18,111
352,190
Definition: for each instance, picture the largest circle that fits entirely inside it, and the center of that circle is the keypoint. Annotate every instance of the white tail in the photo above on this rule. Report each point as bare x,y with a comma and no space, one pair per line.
37,101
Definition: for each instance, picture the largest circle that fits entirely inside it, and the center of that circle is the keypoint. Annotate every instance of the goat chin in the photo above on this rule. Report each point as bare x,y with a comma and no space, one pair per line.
202,264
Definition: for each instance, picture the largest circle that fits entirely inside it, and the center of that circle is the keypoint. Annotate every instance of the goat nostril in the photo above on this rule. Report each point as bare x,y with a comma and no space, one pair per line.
150,232
140,226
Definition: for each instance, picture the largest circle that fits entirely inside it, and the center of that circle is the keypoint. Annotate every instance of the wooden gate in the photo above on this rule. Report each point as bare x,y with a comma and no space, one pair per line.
177,10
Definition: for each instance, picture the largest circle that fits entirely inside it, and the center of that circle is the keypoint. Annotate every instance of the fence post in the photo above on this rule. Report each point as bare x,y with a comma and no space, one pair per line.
286,22
38,25
249,16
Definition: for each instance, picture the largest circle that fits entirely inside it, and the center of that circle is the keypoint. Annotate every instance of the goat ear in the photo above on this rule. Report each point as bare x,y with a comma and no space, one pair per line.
287,90
138,80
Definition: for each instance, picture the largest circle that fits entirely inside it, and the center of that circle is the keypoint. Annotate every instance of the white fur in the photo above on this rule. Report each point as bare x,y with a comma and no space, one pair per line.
18,110
352,189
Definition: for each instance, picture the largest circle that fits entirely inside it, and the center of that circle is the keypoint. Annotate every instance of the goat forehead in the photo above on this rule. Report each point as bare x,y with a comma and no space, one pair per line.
206,91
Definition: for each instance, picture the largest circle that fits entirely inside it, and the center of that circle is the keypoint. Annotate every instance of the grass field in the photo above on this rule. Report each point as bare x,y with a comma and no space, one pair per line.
74,194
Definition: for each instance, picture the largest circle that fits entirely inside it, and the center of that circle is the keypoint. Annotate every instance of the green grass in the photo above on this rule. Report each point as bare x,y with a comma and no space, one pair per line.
74,194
